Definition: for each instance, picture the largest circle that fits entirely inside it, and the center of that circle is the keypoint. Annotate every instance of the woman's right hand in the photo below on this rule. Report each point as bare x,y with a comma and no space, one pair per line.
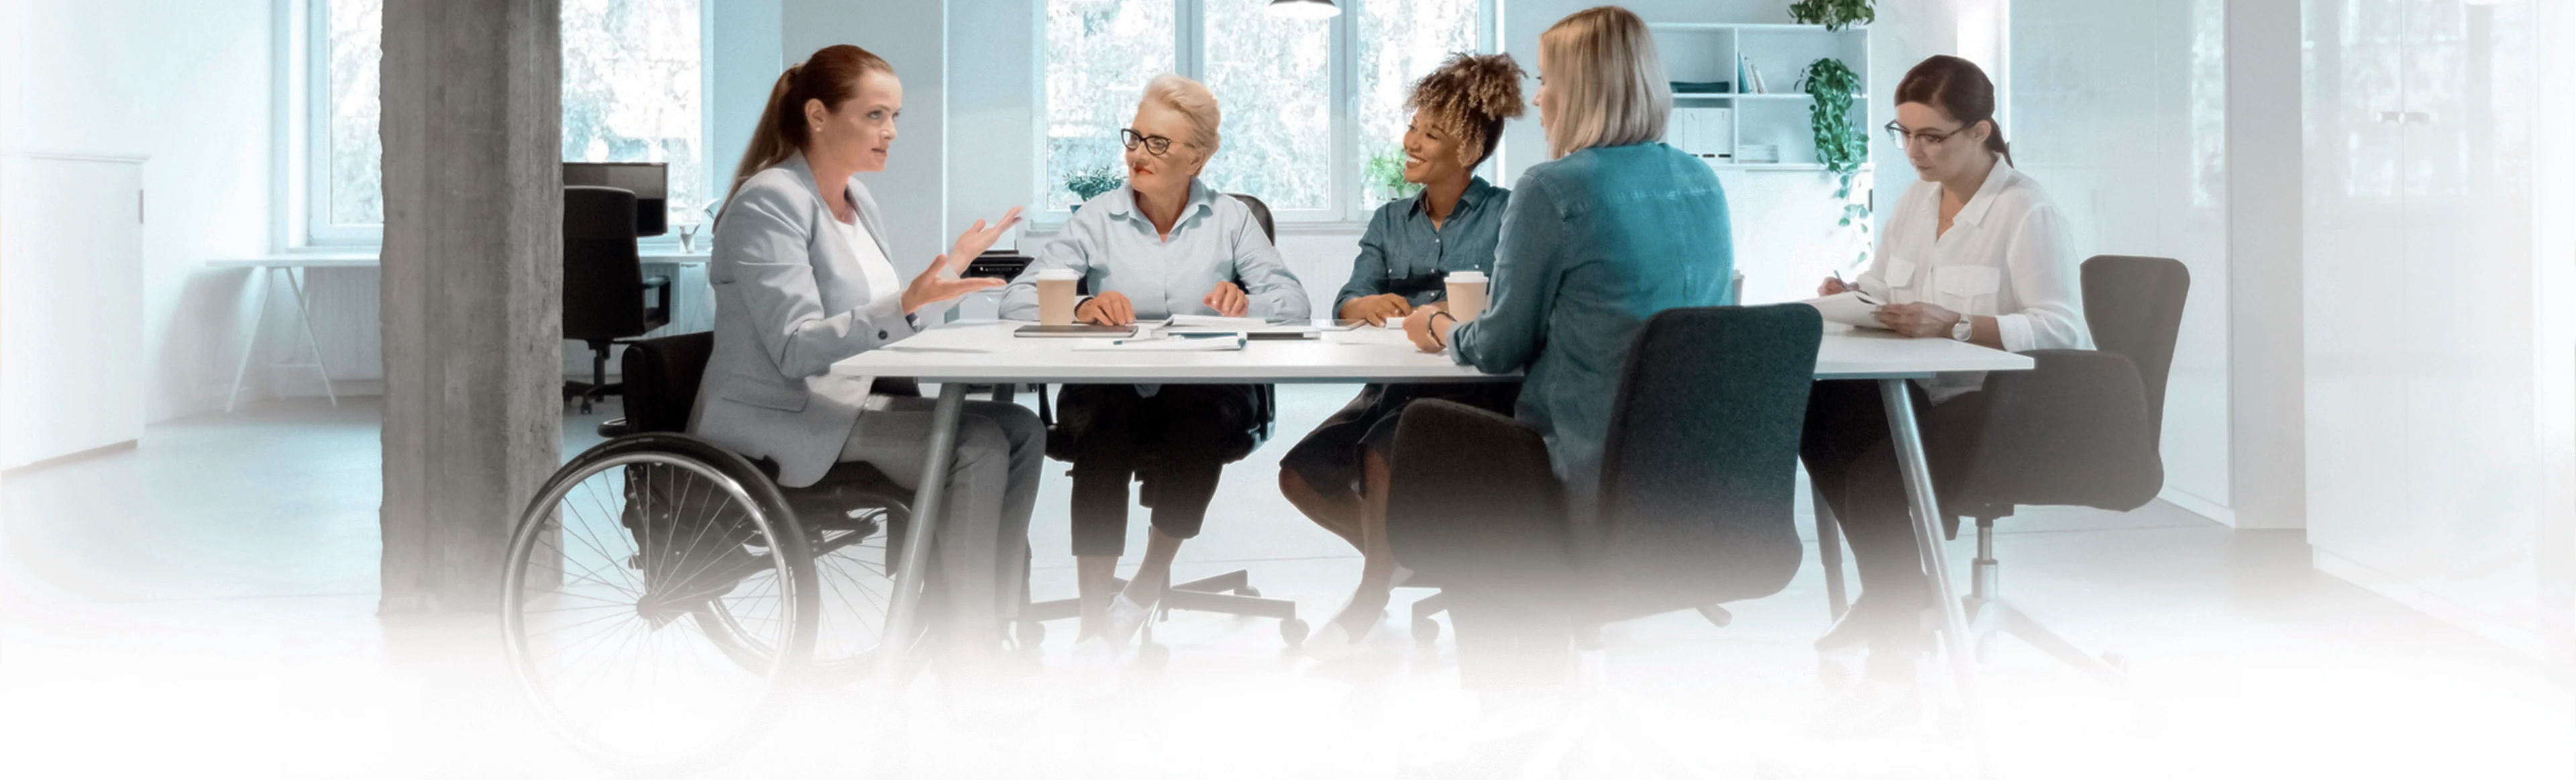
1377,309
1833,286
1109,308
939,282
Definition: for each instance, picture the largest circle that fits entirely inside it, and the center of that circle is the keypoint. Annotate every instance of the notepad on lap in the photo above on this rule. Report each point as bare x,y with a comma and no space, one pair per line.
1849,308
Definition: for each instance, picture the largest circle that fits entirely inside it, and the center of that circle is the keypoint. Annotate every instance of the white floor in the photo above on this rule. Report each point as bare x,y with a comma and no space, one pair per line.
203,607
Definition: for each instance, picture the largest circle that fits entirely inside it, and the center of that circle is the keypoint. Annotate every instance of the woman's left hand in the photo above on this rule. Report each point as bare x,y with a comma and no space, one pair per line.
1418,326
972,243
1228,300
1918,320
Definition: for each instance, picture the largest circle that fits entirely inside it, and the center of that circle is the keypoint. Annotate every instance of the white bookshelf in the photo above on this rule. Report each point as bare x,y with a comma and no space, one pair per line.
1777,117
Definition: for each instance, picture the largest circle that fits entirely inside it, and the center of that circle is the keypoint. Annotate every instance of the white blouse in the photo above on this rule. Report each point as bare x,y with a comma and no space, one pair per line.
2007,256
883,282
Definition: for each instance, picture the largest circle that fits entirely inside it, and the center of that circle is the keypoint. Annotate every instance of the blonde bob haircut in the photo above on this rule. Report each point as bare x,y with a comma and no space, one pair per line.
1605,84
1194,101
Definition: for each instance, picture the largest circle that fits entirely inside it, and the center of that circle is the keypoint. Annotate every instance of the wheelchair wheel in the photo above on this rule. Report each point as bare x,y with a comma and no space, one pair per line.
649,587
855,586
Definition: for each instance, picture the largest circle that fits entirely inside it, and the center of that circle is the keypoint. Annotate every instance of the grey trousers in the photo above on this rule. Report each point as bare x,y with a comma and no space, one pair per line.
980,550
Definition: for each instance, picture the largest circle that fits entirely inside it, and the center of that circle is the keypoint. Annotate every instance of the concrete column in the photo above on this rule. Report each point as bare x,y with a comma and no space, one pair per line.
471,287
2267,417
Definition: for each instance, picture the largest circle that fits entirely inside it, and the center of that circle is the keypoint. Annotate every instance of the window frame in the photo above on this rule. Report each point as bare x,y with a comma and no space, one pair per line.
304,132
1347,209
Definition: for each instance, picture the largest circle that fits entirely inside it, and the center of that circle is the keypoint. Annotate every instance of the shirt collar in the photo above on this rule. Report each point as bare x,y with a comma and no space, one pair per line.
1975,211
1202,200
1477,191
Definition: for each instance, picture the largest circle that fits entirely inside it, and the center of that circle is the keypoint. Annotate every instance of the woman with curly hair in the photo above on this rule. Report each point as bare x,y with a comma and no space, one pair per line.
1337,475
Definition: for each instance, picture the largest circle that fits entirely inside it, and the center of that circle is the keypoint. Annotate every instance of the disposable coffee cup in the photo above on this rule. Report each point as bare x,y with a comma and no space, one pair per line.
1055,296
1466,294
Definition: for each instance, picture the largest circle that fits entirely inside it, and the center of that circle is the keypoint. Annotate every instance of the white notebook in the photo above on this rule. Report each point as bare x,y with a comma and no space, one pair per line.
1849,308
1174,342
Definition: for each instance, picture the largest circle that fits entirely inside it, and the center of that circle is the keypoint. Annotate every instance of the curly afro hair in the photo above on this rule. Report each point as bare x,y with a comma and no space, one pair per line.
1471,95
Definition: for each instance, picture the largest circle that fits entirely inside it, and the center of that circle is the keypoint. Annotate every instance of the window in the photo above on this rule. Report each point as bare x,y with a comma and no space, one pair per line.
633,91
1312,107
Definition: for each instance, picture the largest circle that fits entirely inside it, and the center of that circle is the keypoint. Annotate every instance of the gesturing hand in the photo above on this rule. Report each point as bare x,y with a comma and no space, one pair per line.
972,243
1228,300
1109,308
1918,320
1377,309
939,282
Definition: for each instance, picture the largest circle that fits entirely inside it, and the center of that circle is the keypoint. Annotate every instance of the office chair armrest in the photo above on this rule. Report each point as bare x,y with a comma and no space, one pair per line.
1472,499
660,288
2073,431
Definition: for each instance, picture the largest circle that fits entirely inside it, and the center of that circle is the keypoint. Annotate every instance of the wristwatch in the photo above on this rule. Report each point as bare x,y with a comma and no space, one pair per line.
1963,330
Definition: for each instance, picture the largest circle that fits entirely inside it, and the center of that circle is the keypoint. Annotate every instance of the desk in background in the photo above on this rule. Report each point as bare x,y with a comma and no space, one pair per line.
986,352
292,267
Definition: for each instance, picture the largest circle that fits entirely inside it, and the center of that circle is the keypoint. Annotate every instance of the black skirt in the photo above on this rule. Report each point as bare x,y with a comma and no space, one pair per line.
1329,458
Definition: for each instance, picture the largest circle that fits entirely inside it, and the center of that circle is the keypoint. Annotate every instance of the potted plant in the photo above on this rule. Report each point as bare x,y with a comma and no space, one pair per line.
1840,145
1386,176
1090,182
1834,14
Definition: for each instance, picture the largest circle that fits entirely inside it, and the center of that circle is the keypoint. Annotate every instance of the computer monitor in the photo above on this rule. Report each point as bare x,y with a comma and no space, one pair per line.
651,183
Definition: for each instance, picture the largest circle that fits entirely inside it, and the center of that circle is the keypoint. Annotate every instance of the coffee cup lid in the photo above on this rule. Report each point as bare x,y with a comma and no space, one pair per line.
1466,276
1058,274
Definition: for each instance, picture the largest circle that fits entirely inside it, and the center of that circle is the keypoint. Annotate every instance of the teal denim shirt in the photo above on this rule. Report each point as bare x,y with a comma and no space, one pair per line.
1403,254
1592,245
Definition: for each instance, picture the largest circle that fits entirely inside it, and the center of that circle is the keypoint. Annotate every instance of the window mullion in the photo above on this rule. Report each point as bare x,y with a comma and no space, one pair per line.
1189,40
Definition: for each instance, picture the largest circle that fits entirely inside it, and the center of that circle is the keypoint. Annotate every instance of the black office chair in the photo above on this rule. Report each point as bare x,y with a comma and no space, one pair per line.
2082,428
1697,496
604,286
1230,593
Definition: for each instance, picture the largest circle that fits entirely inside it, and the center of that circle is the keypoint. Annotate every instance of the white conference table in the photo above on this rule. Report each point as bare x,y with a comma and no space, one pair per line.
267,267
986,352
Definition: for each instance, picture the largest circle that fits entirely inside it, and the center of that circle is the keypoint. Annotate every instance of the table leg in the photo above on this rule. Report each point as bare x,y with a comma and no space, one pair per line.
250,346
304,314
927,504
1829,551
1908,438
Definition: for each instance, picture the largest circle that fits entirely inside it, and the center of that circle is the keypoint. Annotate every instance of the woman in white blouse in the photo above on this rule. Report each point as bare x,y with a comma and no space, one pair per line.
1974,252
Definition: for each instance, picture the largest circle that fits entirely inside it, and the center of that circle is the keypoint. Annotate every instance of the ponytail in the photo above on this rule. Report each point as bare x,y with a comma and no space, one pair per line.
832,76
1959,88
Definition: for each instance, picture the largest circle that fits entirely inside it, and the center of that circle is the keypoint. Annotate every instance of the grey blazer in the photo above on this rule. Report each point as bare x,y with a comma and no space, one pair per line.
790,302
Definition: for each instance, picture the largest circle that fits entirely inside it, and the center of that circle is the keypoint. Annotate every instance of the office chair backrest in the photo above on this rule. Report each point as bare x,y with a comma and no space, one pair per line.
603,278
2134,305
662,378
1261,214
1698,476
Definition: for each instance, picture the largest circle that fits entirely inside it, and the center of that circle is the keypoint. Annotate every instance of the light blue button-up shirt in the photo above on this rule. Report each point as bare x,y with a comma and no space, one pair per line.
1115,248
1593,245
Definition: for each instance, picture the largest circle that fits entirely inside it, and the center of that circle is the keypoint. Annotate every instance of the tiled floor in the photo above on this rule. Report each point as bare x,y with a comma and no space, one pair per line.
203,607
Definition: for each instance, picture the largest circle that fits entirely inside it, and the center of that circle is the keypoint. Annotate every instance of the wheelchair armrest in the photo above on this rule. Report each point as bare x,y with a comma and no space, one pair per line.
1472,497
2073,431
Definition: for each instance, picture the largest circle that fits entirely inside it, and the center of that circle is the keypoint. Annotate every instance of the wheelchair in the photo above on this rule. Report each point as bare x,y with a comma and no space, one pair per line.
663,596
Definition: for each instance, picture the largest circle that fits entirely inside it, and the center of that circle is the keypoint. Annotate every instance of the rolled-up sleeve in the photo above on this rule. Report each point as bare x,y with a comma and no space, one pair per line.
1275,293
2043,273
767,257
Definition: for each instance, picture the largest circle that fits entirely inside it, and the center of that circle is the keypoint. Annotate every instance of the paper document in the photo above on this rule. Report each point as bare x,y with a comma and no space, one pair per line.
1371,335
1211,342
1849,308
1223,323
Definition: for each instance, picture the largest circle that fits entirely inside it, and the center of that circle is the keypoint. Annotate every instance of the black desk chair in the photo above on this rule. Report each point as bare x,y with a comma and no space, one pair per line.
1230,593
1697,499
604,286
2082,428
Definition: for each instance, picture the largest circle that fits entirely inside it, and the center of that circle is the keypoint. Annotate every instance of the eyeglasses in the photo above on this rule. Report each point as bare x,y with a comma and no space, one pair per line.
1154,144
1928,139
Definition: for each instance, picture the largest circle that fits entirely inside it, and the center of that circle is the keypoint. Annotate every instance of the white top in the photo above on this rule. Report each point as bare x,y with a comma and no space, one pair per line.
882,280
2007,256
986,351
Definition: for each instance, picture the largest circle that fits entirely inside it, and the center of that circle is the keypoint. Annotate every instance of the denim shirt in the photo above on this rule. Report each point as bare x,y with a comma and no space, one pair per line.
1114,247
1403,254
1595,243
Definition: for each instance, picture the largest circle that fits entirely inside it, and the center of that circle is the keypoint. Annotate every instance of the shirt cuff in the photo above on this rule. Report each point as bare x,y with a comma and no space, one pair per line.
2014,331
1449,337
887,318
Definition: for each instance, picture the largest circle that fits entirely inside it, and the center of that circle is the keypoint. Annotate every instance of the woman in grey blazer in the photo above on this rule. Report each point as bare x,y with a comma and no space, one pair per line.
802,281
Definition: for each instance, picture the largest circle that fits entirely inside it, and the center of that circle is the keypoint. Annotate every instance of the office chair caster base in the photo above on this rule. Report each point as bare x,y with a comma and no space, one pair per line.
1292,631
1248,591
1426,630
1717,616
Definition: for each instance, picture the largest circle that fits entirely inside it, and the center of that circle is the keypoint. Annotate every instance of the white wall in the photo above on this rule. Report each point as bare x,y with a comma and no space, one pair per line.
188,85
2266,367
911,36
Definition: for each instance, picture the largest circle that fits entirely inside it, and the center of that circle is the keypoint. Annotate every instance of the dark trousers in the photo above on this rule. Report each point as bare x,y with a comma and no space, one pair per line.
1180,437
1851,457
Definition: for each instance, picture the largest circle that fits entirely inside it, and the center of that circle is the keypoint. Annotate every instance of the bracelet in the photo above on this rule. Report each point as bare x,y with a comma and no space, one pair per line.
1433,322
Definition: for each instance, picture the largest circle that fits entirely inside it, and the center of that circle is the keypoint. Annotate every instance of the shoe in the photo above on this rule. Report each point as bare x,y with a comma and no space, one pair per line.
1125,617
1334,643
1852,632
